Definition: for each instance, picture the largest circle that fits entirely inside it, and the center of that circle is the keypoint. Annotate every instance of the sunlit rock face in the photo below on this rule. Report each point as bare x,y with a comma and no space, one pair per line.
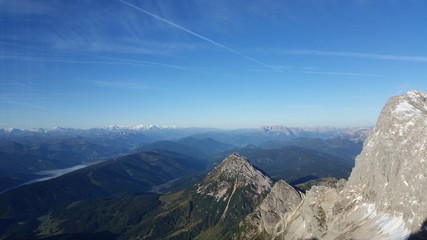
235,171
274,213
392,164
385,196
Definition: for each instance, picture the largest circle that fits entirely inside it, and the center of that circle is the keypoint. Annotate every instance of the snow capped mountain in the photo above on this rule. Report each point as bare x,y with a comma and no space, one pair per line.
139,127
146,133
114,127
11,130
353,133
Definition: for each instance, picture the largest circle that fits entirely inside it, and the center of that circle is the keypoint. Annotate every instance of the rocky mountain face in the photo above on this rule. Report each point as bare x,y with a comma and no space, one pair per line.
274,213
233,190
385,196
393,164
234,172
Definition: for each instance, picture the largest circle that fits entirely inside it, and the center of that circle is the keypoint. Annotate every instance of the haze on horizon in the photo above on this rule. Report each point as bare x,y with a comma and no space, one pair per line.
220,64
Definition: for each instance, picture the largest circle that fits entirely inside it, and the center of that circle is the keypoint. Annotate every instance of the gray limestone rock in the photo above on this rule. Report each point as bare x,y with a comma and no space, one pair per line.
275,211
385,196
393,162
234,172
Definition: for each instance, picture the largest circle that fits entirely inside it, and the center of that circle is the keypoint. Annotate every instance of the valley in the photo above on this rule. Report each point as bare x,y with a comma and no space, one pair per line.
150,171
290,187
213,120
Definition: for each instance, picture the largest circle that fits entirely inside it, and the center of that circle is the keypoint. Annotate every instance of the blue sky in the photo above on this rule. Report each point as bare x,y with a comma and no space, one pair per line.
226,64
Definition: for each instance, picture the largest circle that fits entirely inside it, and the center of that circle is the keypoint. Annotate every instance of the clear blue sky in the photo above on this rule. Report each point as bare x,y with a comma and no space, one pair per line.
226,64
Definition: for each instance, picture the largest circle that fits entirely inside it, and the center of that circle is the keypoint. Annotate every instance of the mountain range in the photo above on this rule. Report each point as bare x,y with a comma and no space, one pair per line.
26,155
162,191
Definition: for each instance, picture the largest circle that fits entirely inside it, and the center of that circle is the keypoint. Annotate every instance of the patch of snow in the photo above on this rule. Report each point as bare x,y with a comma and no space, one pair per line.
391,227
404,107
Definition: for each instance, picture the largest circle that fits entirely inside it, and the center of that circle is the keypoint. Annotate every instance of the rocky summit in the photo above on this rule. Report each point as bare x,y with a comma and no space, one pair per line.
227,195
234,172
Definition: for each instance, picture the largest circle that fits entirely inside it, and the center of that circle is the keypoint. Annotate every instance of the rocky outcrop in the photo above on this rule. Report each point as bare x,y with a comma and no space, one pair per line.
275,211
330,213
234,172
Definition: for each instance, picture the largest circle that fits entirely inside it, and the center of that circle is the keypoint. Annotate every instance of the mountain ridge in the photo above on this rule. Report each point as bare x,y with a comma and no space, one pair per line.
384,197
136,173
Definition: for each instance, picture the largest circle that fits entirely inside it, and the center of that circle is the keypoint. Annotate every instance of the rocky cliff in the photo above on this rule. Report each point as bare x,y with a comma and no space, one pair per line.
274,213
393,164
384,198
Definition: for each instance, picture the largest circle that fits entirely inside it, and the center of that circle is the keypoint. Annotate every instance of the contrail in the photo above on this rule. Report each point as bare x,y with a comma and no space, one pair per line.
357,55
102,61
200,36
110,60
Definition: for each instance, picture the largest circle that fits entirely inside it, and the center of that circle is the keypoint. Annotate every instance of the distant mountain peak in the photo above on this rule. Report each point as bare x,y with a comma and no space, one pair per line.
138,127
355,134
234,171
234,163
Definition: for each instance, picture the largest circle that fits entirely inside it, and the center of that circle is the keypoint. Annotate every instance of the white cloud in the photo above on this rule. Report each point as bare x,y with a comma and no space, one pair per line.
177,26
23,104
345,74
94,60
